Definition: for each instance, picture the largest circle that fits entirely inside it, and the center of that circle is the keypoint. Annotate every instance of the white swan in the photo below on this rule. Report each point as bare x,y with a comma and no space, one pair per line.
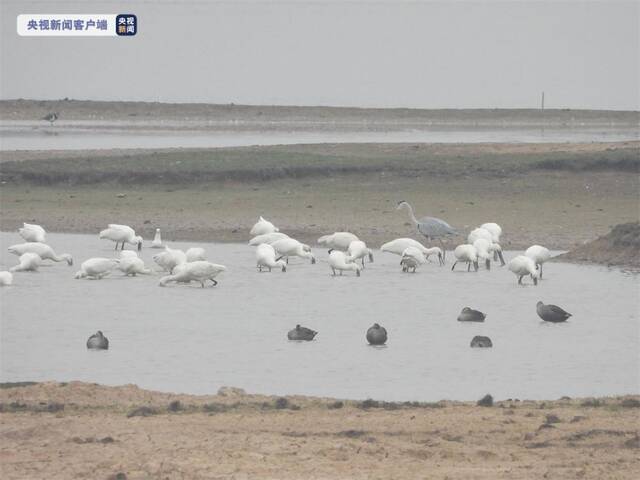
468,254
399,245
523,265
97,267
338,240
479,233
32,233
266,257
121,234
267,238
494,229
128,253
170,258
157,240
487,249
357,250
290,247
195,253
6,279
412,257
539,255
338,261
263,226
199,271
44,251
132,265
29,262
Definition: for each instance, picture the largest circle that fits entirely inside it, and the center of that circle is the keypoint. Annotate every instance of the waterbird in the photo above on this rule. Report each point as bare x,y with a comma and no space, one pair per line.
157,240
358,250
430,227
486,249
199,271
51,117
96,268
31,232
44,251
470,315
170,258
290,247
121,234
551,313
266,258
468,254
539,255
399,245
338,240
29,262
267,238
376,335
477,233
412,258
263,226
522,266
301,333
338,260
6,278
195,253
98,341
494,229
131,265
480,341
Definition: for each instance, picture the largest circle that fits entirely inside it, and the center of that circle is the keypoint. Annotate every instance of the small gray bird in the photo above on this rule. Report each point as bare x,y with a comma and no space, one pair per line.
377,335
551,313
301,333
98,341
470,315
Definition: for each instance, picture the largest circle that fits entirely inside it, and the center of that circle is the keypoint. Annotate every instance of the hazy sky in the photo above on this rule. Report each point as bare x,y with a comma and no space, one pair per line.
480,54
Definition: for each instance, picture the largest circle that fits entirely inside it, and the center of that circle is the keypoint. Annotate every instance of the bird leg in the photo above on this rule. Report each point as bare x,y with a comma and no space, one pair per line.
214,282
454,265
487,263
468,266
520,279
540,271
444,250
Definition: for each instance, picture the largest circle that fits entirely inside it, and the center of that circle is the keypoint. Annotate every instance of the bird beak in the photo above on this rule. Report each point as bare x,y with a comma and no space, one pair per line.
502,262
284,268
440,259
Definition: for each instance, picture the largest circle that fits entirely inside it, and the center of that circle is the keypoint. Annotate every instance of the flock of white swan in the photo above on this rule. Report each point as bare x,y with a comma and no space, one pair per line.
273,249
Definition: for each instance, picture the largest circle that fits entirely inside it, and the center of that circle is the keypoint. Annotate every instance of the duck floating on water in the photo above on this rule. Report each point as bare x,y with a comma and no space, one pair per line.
301,333
376,335
552,313
98,341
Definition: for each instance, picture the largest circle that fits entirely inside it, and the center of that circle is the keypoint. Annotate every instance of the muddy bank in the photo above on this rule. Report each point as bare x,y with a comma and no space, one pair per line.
619,247
79,430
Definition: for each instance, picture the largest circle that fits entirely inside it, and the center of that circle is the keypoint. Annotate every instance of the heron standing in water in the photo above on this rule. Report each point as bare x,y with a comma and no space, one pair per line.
51,117
430,227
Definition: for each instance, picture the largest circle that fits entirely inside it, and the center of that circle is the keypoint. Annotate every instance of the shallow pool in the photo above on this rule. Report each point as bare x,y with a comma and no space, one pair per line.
189,339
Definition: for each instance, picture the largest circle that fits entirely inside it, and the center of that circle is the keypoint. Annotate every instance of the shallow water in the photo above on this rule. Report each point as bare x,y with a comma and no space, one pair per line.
15,136
189,339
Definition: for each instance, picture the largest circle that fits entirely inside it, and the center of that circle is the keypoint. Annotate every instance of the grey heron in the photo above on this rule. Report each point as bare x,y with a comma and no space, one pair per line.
50,117
430,227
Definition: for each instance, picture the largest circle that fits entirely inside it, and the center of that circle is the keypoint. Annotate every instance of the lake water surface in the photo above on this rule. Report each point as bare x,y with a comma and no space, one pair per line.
194,340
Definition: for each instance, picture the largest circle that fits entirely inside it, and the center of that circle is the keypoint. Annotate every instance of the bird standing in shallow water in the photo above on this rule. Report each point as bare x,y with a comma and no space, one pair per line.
430,227
551,313
51,117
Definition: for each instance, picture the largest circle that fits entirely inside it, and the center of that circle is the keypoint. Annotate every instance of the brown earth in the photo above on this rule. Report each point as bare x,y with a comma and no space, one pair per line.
79,430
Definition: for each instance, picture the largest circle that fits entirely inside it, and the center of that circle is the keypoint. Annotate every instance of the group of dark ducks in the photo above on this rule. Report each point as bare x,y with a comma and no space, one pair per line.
377,335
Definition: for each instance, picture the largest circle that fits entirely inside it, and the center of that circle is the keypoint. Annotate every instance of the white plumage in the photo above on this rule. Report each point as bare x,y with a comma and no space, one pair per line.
494,229
32,233
338,240
170,258
263,226
29,262
199,271
121,234
338,261
6,278
290,247
132,265
358,250
44,251
468,254
157,240
412,257
539,255
267,238
196,253
97,267
266,258
522,266
479,233
485,250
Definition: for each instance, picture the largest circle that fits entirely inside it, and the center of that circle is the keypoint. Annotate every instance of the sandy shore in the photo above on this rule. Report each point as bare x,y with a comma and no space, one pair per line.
80,430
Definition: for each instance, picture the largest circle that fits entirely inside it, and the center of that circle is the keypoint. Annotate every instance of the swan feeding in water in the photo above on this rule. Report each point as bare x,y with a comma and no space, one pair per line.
199,271
97,267
44,251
